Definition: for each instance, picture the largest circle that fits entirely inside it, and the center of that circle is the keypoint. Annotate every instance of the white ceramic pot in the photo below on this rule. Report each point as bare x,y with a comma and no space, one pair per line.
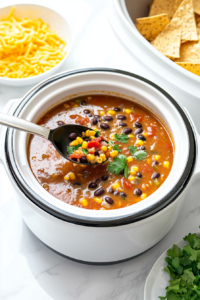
100,236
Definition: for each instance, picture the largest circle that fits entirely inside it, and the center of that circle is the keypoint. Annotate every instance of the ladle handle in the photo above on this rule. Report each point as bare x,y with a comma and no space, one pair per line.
23,125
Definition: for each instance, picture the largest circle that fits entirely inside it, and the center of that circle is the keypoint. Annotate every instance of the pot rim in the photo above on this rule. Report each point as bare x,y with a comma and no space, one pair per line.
99,222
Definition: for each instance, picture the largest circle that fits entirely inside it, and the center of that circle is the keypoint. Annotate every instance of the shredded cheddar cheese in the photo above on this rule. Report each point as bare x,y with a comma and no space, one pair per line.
28,47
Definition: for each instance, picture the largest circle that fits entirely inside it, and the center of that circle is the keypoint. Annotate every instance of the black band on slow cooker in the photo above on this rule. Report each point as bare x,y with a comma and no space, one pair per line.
99,222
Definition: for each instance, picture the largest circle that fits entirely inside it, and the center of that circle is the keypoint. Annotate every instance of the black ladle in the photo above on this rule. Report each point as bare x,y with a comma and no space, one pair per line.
59,136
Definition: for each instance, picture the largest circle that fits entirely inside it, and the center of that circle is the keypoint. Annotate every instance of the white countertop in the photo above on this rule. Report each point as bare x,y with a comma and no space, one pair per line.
28,269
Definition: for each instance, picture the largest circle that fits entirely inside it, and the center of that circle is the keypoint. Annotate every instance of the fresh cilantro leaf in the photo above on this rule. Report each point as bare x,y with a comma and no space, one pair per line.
185,261
188,276
111,143
190,238
85,151
162,298
118,164
132,149
122,138
172,296
126,171
174,252
194,254
140,155
124,197
116,147
97,133
71,149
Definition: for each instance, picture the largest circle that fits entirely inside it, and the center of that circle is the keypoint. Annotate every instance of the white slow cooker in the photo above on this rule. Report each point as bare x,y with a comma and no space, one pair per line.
90,236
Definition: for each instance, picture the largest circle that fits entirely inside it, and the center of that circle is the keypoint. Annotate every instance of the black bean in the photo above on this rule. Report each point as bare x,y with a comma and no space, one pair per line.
155,163
122,124
139,175
137,124
97,117
83,103
138,192
123,195
109,200
117,109
96,152
155,175
60,123
104,177
83,159
73,136
139,130
121,172
142,148
104,126
111,191
98,180
99,192
127,130
94,121
76,183
141,137
116,193
86,111
108,118
90,115
121,117
74,159
87,139
92,185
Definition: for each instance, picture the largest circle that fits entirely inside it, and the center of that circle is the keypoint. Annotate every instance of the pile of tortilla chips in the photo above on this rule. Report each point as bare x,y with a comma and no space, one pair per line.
173,28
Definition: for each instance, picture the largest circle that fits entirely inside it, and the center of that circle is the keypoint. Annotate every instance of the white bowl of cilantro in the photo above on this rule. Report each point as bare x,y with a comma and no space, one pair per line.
176,273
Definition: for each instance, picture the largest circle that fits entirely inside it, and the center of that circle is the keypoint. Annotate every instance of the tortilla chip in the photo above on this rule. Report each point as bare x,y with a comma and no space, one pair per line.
168,42
150,27
176,5
194,68
159,7
196,5
184,20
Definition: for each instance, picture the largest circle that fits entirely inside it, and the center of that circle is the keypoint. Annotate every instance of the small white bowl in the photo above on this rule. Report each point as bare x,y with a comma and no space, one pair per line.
55,21
158,279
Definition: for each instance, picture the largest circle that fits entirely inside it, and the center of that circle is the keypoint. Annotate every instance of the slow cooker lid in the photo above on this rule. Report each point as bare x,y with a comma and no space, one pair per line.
110,221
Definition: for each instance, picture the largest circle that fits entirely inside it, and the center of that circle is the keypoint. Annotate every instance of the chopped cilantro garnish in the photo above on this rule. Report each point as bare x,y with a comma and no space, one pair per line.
71,149
97,133
85,151
122,138
119,164
137,154
111,143
184,270
116,147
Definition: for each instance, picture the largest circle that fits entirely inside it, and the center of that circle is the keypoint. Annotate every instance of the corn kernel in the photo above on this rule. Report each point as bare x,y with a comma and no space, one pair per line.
99,160
83,134
79,139
92,137
139,142
75,105
157,157
129,159
87,133
127,110
145,134
66,177
116,185
166,164
102,113
156,182
131,178
74,143
149,160
104,148
135,168
114,153
92,133
71,175
98,200
111,112
103,157
112,136
84,202
95,128
130,136
143,196
90,157
84,145
110,148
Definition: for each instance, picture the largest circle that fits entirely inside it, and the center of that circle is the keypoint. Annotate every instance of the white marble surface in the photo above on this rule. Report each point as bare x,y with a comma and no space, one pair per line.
28,269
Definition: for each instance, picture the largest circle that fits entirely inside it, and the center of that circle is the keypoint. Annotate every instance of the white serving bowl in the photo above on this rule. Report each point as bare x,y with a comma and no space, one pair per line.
100,236
55,21
122,15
